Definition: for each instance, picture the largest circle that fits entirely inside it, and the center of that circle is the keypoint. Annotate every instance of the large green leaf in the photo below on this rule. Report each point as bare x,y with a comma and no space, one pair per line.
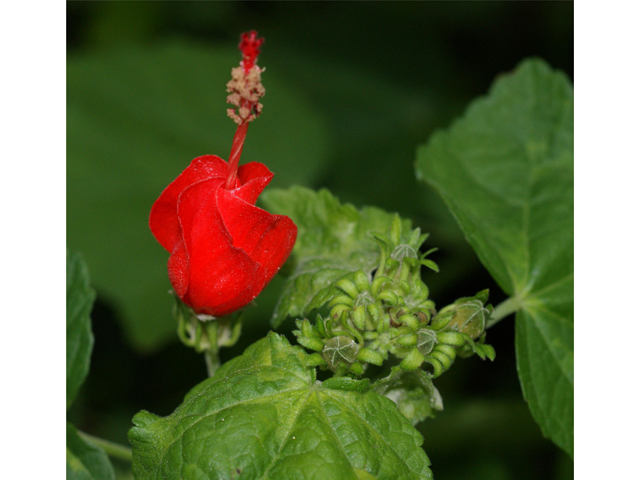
80,298
86,461
264,415
136,117
506,172
333,240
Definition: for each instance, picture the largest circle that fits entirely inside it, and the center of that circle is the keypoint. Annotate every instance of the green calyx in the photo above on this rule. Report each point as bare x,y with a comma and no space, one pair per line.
207,334
387,312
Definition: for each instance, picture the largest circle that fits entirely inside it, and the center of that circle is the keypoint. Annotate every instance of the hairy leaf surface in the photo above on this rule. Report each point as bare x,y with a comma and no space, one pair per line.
86,461
333,241
506,172
264,415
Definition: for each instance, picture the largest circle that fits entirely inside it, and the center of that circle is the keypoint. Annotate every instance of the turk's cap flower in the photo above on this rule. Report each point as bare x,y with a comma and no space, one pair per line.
224,250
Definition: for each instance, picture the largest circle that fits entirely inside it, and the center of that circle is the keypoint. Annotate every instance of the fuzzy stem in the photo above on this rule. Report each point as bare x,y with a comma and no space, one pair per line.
212,359
236,151
211,354
506,308
114,450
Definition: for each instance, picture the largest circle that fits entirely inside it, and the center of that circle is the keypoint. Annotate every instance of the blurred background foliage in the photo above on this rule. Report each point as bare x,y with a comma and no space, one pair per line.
352,90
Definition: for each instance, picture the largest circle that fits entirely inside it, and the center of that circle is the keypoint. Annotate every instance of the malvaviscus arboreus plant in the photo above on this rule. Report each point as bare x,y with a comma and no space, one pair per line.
224,250
343,403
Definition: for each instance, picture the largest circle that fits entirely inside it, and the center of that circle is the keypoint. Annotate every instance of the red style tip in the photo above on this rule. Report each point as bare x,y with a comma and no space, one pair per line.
250,48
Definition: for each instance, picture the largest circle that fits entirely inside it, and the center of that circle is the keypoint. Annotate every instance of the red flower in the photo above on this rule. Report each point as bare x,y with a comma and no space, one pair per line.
224,249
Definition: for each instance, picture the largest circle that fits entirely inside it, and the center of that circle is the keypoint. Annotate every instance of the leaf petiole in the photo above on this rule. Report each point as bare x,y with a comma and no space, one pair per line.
112,449
506,308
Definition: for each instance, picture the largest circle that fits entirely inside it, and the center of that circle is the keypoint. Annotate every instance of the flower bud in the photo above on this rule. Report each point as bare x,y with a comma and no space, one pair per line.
426,339
470,318
339,350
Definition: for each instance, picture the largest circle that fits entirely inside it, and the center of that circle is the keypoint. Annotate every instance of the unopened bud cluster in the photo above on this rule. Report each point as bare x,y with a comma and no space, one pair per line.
372,316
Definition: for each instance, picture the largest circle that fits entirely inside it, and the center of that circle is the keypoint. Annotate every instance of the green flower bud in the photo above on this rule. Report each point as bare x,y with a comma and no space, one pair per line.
470,318
403,251
339,350
426,340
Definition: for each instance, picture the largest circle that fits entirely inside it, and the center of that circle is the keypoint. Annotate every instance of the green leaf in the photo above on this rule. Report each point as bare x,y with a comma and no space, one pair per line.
264,415
333,241
506,172
413,392
136,117
80,298
86,461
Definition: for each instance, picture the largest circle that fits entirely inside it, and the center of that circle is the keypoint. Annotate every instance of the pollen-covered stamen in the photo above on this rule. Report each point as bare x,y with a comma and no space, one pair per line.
245,90
245,87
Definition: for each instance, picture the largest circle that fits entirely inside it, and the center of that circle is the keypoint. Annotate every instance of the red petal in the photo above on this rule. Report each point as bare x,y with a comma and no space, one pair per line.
268,239
253,177
178,267
222,278
276,245
163,220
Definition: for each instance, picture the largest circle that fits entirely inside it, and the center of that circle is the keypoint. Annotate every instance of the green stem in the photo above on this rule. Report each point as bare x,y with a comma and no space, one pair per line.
212,359
114,450
211,356
506,308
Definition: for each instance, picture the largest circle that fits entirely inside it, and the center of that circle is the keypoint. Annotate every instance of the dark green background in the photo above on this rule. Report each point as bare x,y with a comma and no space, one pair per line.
380,77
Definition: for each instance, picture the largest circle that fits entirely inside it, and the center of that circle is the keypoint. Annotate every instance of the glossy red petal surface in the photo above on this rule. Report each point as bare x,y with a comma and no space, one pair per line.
253,177
163,219
222,277
178,267
276,245
268,239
